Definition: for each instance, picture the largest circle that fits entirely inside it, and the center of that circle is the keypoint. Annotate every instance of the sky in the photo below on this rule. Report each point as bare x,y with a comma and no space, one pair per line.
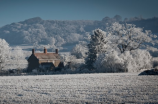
20,10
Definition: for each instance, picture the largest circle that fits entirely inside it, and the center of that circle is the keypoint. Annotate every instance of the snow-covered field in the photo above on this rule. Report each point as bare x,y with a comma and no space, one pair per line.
79,88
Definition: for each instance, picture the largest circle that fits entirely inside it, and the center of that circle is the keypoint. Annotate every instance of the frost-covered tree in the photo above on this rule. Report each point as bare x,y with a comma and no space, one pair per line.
4,53
80,50
73,37
97,45
51,41
59,40
128,37
125,50
18,60
69,60
17,53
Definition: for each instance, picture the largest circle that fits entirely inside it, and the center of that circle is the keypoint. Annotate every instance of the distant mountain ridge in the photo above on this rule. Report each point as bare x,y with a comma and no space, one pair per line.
58,33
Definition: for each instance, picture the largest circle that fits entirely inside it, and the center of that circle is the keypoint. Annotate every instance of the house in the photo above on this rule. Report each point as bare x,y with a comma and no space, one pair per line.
45,60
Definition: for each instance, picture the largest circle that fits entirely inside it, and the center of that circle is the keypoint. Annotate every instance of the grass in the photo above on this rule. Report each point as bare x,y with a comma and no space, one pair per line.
79,88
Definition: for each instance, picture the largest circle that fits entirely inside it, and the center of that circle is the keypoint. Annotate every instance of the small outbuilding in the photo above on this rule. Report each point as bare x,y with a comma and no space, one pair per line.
45,60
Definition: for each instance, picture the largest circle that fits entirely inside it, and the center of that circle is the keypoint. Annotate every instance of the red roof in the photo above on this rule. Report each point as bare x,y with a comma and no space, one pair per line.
47,56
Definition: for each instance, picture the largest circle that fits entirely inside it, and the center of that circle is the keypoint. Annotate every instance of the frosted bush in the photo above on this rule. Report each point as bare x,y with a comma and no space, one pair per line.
109,63
80,50
136,60
131,61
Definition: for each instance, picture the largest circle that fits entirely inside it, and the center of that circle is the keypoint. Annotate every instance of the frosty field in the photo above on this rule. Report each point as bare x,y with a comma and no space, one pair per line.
79,88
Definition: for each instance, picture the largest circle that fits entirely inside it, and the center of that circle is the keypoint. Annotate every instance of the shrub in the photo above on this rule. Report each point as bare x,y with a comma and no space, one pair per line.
131,61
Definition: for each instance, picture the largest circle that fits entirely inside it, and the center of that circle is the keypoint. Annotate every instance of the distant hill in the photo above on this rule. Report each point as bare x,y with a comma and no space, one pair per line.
59,33
147,24
42,31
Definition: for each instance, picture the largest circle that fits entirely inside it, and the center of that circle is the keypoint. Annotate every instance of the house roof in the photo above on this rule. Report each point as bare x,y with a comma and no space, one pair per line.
47,56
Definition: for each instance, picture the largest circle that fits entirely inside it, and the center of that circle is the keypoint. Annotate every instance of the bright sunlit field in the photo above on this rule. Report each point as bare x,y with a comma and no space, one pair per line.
79,88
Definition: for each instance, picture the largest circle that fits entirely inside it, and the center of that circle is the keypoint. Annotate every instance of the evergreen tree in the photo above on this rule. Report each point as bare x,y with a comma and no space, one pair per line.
96,45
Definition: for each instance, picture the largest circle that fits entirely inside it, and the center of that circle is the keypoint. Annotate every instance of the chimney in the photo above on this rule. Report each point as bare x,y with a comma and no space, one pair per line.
45,50
33,51
56,51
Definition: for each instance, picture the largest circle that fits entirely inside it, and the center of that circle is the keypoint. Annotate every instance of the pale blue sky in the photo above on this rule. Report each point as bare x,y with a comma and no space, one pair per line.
19,10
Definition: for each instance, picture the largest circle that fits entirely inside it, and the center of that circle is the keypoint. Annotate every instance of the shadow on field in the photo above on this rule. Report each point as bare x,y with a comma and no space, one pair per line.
149,72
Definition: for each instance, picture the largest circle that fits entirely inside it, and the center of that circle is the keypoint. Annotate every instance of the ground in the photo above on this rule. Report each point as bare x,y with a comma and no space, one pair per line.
79,88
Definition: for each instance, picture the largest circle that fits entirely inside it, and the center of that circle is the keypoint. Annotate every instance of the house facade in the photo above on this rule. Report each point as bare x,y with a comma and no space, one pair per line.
45,60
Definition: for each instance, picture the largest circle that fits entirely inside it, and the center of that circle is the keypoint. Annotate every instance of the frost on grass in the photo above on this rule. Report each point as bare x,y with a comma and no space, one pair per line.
85,88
